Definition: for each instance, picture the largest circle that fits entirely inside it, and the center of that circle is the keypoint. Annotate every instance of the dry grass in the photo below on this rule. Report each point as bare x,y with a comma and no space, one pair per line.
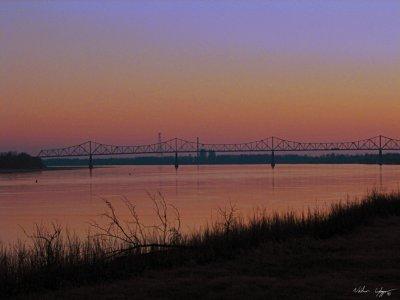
57,259
299,268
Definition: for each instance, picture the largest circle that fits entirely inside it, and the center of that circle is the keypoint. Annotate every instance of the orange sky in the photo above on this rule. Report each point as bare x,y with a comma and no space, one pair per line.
226,73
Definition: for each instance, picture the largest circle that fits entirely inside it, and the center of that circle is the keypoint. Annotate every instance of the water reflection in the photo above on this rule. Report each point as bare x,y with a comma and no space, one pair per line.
91,186
273,179
176,182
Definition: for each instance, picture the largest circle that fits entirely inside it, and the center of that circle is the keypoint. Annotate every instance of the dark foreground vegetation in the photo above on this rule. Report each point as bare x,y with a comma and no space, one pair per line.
18,161
213,158
299,268
121,250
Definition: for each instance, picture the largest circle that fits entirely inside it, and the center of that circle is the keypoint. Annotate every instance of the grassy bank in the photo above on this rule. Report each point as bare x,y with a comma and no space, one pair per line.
298,268
57,259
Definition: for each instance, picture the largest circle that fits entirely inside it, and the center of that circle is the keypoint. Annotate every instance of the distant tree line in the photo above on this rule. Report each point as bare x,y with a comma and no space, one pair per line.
14,160
210,157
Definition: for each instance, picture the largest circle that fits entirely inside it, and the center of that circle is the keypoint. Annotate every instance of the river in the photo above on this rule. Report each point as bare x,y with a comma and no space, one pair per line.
74,197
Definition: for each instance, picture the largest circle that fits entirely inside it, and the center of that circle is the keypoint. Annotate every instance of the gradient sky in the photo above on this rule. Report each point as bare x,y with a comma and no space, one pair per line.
121,71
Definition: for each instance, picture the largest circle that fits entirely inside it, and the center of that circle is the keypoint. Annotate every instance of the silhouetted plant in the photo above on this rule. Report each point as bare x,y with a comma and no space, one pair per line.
228,216
56,257
132,235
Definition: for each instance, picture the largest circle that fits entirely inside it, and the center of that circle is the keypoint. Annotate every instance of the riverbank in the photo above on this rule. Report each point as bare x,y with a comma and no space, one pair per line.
19,161
235,257
295,269
225,159
11,171
51,168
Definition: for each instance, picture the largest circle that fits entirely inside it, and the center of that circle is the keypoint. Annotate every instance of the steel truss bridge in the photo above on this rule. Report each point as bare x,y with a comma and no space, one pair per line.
176,146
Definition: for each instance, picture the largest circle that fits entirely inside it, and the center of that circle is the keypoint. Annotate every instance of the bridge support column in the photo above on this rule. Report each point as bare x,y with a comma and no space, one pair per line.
197,152
176,161
380,157
90,156
272,159
90,161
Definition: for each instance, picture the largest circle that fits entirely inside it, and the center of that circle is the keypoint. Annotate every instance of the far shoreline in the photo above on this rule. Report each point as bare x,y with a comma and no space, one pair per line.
58,168
79,167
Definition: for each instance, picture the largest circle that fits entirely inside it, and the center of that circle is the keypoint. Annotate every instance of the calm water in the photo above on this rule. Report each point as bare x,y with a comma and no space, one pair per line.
74,197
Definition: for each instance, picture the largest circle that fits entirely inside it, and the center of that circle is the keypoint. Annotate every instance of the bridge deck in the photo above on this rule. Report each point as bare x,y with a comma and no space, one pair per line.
177,145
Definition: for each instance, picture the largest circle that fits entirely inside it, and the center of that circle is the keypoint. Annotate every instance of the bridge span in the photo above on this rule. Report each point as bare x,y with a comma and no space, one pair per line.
176,146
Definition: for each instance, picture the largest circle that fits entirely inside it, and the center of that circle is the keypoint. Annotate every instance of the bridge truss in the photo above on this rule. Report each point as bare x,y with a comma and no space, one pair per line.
174,146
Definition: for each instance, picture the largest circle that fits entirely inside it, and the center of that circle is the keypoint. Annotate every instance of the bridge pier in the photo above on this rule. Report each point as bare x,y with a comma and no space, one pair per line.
272,159
380,157
272,153
176,161
90,161
90,156
197,152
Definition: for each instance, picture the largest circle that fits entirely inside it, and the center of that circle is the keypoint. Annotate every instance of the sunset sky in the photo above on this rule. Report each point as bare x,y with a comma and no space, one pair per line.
121,71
